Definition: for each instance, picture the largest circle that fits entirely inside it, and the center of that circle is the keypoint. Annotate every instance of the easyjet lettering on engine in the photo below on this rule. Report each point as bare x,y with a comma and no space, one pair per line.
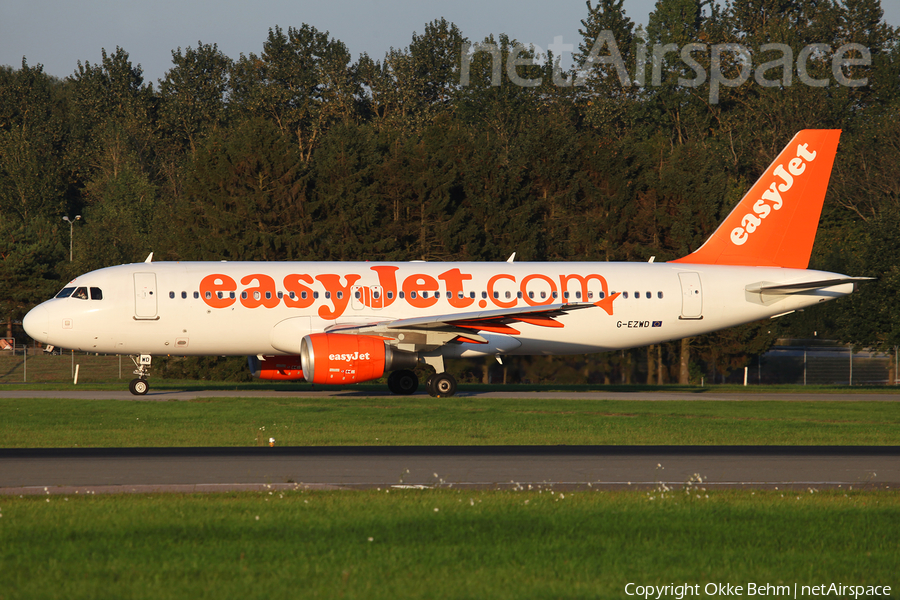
772,196
350,357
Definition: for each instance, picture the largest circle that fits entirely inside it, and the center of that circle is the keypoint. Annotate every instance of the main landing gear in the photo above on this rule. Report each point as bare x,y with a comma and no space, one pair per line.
438,385
441,385
403,382
139,386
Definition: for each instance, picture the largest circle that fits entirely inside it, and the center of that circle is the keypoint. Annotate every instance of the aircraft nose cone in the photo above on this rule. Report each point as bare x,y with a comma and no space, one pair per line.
37,323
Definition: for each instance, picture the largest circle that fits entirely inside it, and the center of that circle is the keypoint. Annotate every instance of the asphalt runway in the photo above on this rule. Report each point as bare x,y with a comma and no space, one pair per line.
82,470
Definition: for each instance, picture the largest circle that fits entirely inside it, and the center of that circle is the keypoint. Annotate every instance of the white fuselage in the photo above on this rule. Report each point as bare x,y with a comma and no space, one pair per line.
265,308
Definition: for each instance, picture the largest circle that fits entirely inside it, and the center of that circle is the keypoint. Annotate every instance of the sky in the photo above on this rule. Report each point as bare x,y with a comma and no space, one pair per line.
59,34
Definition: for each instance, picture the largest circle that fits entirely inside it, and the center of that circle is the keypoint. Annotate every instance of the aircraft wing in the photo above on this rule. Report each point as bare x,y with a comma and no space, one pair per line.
434,331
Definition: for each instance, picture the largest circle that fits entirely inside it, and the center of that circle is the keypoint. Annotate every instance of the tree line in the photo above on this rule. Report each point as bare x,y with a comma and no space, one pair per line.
302,153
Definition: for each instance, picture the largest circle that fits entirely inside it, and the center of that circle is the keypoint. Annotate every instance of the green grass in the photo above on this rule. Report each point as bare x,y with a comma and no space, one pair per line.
477,544
440,543
422,420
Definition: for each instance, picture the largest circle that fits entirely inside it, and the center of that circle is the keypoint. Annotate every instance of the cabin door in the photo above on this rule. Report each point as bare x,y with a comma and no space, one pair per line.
145,296
691,296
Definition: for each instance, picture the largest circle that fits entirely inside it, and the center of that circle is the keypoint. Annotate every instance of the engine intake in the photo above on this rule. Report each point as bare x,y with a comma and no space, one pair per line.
348,358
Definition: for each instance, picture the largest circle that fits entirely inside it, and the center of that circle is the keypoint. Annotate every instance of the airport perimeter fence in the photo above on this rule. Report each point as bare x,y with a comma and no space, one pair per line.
33,365
790,364
821,365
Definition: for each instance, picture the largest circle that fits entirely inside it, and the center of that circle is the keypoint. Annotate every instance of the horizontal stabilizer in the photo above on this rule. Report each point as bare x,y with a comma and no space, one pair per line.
799,288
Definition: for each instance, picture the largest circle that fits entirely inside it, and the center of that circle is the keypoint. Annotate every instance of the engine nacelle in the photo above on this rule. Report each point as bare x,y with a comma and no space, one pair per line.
347,358
276,368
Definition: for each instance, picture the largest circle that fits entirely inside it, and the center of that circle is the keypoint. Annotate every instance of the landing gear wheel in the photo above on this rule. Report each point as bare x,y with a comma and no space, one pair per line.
139,387
443,385
429,384
392,382
403,382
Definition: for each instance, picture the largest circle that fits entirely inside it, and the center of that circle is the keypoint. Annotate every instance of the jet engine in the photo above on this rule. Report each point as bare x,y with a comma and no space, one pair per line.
348,358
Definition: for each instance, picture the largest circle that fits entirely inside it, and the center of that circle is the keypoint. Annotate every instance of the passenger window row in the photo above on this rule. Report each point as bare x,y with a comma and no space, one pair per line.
95,293
256,295
390,295
637,295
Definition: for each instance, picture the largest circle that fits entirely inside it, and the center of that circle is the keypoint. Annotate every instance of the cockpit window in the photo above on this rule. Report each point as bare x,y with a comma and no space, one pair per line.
81,293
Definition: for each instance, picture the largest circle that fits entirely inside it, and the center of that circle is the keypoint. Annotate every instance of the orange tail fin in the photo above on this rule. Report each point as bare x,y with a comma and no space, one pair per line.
774,224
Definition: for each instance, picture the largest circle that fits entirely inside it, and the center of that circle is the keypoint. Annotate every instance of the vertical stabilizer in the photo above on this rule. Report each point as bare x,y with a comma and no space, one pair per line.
774,224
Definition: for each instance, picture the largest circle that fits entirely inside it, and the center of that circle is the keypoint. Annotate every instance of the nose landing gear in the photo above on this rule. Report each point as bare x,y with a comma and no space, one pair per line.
139,386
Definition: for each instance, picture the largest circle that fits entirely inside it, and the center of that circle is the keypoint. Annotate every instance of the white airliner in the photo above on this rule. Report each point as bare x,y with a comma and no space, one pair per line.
347,322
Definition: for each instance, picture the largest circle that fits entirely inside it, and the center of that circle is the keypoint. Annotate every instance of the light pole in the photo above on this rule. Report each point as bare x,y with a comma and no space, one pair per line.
71,224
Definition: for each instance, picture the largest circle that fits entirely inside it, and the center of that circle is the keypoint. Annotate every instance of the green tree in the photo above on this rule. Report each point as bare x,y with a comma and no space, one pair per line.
596,53
28,274
605,66
410,87
674,97
393,95
32,188
113,157
192,94
245,198
111,111
32,135
349,217
303,82
436,61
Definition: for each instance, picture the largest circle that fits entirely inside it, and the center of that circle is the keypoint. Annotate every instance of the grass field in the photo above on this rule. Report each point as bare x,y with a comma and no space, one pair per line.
441,543
422,420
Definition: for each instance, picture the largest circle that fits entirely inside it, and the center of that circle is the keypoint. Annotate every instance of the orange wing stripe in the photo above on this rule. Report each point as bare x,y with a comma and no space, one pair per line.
495,328
540,321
